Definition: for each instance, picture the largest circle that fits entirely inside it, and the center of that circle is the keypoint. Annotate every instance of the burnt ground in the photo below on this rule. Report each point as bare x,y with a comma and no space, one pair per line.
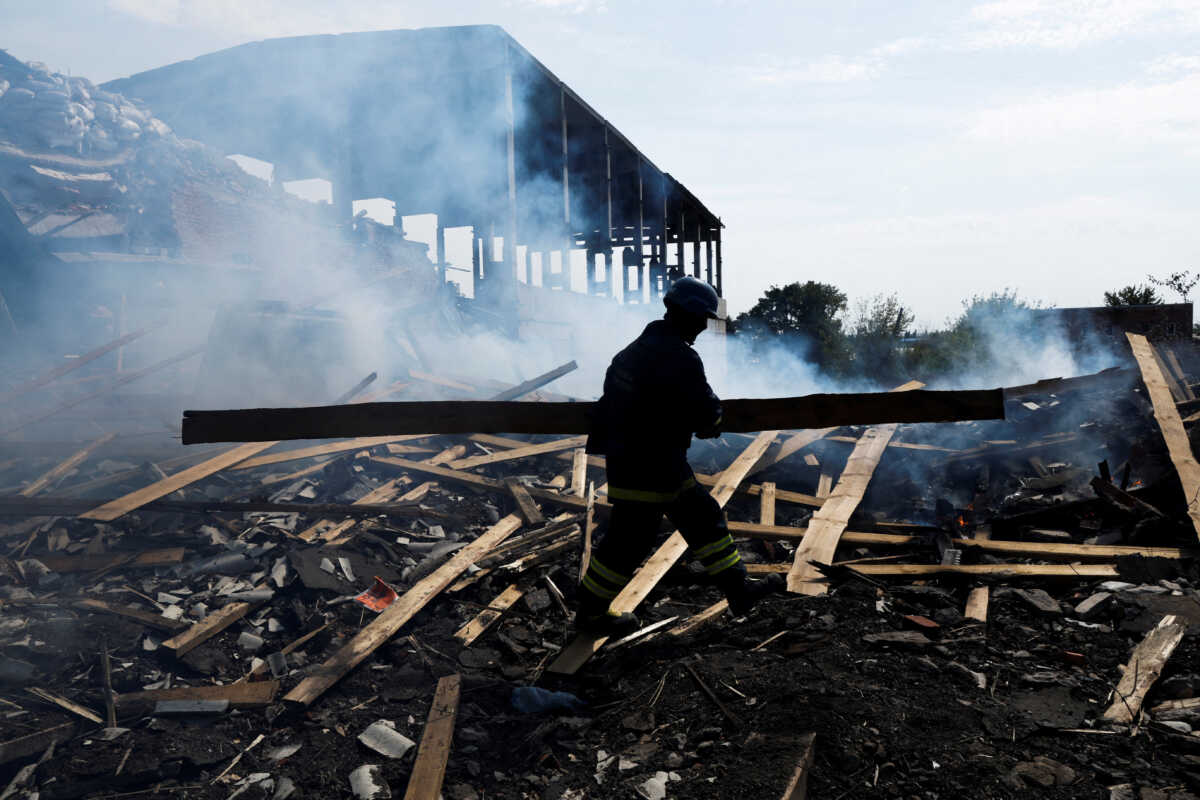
905,696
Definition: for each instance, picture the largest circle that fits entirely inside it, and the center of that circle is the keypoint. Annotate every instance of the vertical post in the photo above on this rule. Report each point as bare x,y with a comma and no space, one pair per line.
440,251
608,200
696,250
565,274
638,237
720,282
680,256
708,256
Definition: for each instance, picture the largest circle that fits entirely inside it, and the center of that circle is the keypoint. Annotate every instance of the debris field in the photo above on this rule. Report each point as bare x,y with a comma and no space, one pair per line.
977,609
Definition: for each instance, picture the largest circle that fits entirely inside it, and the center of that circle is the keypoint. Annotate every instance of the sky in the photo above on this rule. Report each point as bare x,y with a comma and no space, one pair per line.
936,150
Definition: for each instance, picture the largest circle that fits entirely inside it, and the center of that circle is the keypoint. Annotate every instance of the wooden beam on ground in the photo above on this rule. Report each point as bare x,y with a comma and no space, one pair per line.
698,619
1081,571
755,489
576,654
58,506
429,769
532,385
824,486
977,604
384,626
72,461
797,788
766,513
1177,368
199,633
1178,445
1012,548
32,744
569,443
173,483
484,416
525,505
329,529
75,363
361,443
468,633
826,525
1145,665
66,704
255,694
156,621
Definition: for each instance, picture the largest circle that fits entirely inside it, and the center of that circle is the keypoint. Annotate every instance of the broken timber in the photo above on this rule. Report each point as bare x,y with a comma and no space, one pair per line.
576,654
994,570
483,620
397,614
205,629
1167,416
72,461
489,416
239,695
1145,665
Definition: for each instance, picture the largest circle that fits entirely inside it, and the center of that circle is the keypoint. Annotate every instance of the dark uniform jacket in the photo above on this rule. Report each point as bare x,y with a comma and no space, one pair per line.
655,397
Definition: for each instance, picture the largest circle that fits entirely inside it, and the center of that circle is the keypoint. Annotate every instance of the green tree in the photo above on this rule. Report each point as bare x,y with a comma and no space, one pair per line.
880,323
1133,295
803,316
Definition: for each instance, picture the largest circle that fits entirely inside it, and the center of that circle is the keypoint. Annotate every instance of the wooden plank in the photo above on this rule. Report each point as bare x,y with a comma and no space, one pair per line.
183,643
89,563
576,654
172,483
262,667
533,384
429,769
528,451
755,489
579,472
693,622
1167,416
489,416
525,505
66,705
72,461
55,373
824,485
361,443
797,788
766,505
1173,386
589,529
1038,549
826,525
240,695
1083,571
32,744
977,604
384,626
156,621
330,529
475,628
1145,665
482,482
1177,368
927,448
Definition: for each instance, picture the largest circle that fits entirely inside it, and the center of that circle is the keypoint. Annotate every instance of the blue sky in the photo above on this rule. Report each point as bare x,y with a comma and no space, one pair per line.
932,149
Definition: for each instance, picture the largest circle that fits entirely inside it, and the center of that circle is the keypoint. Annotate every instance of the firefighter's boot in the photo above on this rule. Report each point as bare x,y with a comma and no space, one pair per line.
595,617
742,593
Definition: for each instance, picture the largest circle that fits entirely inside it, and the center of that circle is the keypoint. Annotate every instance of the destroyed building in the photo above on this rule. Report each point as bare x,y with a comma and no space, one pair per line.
993,592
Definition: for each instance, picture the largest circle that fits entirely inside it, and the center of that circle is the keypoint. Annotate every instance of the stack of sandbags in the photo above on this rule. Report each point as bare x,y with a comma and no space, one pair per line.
43,109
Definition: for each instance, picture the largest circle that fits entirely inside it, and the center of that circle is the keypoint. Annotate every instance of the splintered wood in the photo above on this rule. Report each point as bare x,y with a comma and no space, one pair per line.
1167,416
468,633
429,768
1143,669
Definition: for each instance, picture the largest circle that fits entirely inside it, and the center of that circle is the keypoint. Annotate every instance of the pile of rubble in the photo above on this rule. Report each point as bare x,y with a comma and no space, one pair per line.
1012,607
41,109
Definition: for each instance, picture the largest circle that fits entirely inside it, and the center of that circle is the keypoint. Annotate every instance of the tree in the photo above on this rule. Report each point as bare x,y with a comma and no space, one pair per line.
1180,282
1133,295
880,323
802,316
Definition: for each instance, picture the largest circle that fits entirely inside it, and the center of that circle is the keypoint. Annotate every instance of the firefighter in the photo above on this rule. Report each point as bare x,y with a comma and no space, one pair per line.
655,398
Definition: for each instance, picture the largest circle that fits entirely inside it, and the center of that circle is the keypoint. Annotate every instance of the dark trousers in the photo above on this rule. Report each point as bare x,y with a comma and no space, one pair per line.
632,532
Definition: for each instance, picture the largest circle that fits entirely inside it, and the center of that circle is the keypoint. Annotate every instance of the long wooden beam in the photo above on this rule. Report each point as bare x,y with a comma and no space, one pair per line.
995,570
72,461
484,416
404,608
1038,549
1167,415
576,654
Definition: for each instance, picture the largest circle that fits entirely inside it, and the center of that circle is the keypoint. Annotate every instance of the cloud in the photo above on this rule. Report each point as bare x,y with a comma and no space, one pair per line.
1068,24
830,69
1173,64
